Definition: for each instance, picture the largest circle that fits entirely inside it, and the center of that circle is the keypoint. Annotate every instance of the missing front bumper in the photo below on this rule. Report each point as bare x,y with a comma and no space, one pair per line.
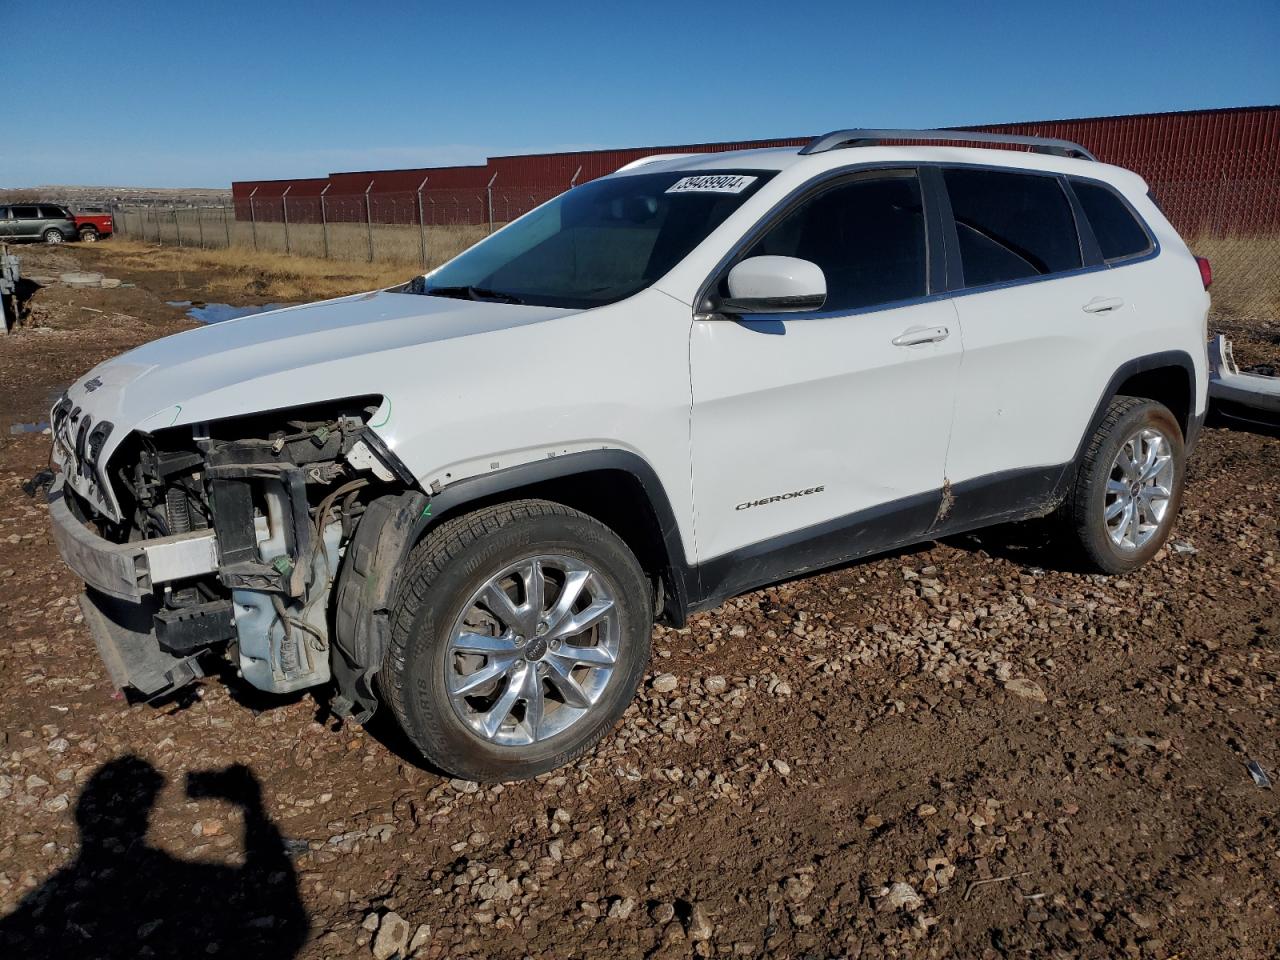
127,571
120,605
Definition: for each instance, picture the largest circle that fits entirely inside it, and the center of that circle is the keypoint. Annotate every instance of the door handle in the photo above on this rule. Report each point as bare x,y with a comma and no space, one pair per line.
915,336
1103,304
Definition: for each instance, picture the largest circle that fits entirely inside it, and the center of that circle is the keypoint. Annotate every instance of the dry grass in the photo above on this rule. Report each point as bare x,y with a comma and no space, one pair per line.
1246,274
239,273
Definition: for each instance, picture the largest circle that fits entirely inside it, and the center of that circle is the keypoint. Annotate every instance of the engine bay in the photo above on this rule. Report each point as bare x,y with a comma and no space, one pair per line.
278,495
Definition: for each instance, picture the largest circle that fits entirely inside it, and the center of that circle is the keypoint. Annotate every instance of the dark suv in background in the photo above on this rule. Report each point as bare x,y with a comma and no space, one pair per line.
46,222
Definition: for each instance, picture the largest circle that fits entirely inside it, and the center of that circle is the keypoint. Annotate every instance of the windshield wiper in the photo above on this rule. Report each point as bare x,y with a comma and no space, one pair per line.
473,293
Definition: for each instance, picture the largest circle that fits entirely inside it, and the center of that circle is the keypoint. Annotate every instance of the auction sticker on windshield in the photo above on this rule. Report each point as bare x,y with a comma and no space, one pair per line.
723,183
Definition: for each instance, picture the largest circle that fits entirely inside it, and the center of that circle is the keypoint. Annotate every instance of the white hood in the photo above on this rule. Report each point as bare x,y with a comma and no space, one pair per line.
353,346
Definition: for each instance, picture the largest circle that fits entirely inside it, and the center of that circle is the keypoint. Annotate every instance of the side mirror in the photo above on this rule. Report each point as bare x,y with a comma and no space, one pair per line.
774,285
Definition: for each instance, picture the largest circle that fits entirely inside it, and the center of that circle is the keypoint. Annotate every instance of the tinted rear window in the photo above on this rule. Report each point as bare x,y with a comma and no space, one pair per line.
26,213
1011,226
1118,232
53,213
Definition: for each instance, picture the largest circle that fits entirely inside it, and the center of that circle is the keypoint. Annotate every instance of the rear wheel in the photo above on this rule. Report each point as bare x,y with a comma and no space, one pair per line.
519,636
53,236
1128,486
88,234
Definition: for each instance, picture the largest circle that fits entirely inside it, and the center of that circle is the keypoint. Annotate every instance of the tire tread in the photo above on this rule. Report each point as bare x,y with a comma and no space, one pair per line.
426,562
1076,513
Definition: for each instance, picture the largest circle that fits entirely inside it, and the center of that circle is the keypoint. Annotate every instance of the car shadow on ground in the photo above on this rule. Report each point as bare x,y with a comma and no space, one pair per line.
121,897
384,728
1034,545
1244,421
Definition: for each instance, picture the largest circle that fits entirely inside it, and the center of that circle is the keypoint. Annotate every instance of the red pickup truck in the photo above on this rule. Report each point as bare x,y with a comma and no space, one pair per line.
93,226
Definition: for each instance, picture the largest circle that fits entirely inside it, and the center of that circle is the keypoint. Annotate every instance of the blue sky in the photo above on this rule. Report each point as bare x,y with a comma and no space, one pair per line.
177,93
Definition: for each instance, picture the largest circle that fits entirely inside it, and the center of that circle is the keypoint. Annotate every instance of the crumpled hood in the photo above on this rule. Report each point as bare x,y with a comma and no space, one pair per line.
283,358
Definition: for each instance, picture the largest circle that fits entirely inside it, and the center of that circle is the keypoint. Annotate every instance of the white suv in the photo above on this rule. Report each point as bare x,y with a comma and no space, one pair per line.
469,496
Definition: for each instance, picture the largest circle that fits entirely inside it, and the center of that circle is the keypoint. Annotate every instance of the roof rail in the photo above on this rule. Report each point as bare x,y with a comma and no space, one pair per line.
839,139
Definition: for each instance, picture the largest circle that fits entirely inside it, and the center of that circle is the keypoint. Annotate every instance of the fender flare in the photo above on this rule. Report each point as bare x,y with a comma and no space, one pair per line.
392,525
1131,368
678,574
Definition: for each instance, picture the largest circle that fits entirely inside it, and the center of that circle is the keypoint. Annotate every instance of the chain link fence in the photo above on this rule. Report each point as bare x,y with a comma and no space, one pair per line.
424,227
1235,223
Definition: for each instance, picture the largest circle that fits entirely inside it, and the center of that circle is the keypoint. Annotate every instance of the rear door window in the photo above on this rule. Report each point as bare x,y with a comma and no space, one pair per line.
1117,230
1011,226
867,234
26,213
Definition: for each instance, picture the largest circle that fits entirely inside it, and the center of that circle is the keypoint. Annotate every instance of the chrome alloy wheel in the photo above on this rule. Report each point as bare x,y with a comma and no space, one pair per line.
533,650
1139,489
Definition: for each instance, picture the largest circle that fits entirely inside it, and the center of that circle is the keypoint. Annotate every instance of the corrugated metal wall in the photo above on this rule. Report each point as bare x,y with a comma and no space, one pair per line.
1215,171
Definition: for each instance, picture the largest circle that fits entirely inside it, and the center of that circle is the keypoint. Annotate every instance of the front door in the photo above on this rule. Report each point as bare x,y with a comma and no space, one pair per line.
822,436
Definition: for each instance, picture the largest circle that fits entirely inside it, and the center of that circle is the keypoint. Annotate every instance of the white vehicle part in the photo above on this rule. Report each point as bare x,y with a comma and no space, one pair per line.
1258,393
784,283
1027,343
128,571
1037,356
652,158
273,655
362,458
373,344
827,402
176,558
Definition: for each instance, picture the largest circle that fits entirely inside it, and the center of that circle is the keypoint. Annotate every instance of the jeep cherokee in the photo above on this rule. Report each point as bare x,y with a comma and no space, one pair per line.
469,497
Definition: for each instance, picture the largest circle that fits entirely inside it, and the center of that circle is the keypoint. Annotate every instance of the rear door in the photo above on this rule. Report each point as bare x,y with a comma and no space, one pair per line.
822,436
52,216
1037,310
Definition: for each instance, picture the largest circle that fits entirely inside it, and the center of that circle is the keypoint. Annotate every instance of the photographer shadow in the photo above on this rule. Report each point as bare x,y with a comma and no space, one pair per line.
122,897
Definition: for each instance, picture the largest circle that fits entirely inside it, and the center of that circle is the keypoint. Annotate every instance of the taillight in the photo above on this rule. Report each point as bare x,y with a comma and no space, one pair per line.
1206,271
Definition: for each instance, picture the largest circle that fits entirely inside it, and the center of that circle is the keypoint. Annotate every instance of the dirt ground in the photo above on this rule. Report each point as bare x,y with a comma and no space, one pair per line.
962,750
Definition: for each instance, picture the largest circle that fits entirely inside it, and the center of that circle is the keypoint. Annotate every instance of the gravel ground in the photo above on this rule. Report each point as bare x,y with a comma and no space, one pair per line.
962,750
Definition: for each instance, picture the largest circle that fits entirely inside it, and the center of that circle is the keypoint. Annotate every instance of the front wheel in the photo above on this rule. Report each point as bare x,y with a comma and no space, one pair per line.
1128,485
520,633
53,236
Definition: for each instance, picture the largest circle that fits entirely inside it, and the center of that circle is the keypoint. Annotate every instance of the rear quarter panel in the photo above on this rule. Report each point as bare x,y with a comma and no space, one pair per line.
1173,297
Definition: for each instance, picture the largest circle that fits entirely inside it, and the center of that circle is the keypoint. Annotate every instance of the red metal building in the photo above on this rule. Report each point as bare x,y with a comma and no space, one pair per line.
1212,171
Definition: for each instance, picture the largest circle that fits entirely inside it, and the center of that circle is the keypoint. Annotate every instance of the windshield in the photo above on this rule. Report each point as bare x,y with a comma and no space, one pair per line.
598,243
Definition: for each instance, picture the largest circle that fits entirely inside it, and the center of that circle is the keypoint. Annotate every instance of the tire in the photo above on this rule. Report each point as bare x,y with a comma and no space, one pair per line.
88,235
53,236
445,611
1097,510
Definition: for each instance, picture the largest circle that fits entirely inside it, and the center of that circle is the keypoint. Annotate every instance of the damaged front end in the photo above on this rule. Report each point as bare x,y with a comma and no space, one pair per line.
229,538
